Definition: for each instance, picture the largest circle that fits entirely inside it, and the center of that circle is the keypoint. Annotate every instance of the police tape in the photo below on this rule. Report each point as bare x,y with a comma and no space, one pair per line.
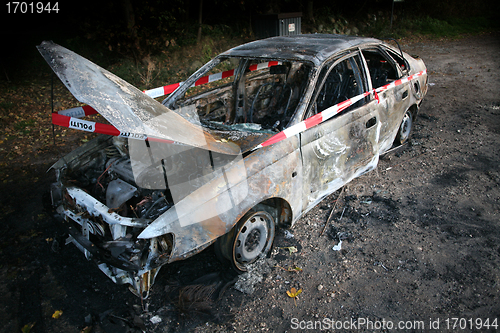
332,111
67,120
87,110
93,127
165,90
78,112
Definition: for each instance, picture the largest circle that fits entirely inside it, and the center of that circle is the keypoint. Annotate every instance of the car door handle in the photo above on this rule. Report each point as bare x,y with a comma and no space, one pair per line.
371,122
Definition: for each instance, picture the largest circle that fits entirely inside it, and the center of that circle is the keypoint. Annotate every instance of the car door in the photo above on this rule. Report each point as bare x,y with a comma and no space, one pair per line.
383,70
345,146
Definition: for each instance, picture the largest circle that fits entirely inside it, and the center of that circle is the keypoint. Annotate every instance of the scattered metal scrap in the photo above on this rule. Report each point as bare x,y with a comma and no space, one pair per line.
333,210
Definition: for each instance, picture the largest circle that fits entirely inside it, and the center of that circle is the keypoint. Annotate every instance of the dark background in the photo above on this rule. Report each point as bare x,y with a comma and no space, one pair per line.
110,30
443,189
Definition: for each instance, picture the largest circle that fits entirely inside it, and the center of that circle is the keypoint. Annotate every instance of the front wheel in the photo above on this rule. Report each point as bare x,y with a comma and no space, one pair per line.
250,238
404,129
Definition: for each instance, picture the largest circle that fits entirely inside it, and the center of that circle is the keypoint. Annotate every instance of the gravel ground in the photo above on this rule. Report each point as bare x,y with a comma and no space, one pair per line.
413,243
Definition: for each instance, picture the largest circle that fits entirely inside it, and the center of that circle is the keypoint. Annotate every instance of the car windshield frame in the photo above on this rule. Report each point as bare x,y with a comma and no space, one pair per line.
302,105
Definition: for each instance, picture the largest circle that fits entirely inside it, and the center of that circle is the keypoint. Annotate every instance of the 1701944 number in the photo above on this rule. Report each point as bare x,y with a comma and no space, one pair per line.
471,324
15,7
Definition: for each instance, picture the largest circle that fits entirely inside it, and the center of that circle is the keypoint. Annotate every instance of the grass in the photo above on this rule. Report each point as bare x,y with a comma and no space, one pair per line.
21,125
173,65
6,107
449,28
174,61
432,27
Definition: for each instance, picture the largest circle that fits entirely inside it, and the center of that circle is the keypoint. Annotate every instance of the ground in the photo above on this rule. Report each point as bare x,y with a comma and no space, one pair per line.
420,236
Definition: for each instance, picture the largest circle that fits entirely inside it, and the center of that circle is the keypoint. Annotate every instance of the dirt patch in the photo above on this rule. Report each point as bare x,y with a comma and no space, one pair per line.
420,236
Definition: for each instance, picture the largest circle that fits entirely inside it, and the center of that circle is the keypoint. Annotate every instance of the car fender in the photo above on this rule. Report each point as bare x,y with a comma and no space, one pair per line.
200,218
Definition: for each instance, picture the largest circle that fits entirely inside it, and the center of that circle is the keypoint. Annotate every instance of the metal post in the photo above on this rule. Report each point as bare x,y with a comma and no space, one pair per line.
52,105
392,12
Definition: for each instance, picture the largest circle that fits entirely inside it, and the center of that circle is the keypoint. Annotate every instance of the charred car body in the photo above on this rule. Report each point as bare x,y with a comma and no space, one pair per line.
208,172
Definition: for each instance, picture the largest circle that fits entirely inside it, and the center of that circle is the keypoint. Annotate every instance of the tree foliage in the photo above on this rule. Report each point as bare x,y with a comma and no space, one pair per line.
144,27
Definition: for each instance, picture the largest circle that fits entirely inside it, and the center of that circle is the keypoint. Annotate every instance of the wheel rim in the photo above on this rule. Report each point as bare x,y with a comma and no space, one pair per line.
405,128
253,238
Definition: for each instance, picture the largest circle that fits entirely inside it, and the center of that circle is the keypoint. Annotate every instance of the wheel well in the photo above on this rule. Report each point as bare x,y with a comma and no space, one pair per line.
414,111
279,208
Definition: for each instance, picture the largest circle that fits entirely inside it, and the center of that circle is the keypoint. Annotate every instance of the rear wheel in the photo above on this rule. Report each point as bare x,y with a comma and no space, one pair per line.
404,129
250,238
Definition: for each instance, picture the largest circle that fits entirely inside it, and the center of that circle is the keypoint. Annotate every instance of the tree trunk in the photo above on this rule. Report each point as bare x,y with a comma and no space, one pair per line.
199,21
309,11
187,5
130,20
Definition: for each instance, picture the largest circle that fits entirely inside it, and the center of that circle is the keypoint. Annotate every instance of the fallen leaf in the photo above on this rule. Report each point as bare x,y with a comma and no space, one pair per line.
27,328
87,329
291,249
294,292
291,269
57,314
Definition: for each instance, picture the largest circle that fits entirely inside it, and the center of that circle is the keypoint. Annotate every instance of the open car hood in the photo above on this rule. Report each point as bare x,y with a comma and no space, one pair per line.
131,111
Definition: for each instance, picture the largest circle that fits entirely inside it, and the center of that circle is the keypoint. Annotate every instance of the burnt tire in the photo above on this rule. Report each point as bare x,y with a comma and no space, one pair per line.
251,238
404,129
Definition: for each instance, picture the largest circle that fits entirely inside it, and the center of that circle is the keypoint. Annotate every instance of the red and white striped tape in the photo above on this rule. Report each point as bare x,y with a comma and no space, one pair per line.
69,118
165,90
90,126
82,111
331,111
161,91
78,112
83,125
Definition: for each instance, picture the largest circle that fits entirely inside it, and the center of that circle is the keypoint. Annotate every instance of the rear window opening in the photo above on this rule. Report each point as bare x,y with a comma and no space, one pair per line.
402,63
382,71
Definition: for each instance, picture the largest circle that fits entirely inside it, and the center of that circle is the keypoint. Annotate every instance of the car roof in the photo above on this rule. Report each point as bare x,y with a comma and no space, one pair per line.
315,48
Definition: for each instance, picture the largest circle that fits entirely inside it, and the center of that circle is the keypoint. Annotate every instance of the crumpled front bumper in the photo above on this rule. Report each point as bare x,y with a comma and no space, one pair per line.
110,240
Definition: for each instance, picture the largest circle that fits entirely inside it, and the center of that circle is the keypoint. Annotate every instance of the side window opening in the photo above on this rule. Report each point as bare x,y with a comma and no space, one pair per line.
382,71
402,63
258,97
343,82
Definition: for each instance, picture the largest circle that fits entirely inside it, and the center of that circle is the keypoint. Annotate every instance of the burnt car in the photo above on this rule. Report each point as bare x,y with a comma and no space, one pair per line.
277,125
